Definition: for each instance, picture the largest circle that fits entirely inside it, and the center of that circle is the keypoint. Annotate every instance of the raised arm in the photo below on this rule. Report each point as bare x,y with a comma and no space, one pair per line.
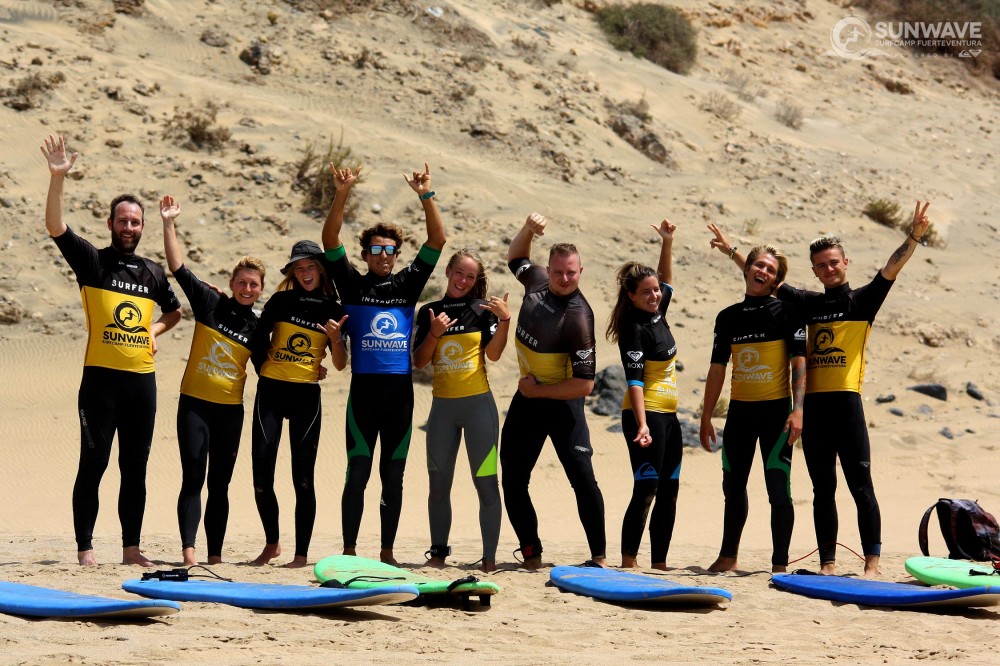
437,325
496,345
724,246
918,227
420,183
665,269
343,181
169,210
54,150
520,245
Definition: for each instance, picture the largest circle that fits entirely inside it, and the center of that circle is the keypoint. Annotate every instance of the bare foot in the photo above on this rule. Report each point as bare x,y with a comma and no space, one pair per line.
386,556
600,561
436,562
660,566
132,555
629,562
215,559
779,568
828,568
271,551
189,559
351,551
532,563
86,558
297,562
488,566
871,566
722,564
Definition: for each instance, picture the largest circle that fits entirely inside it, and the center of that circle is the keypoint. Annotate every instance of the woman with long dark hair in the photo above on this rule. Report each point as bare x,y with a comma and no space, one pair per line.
649,411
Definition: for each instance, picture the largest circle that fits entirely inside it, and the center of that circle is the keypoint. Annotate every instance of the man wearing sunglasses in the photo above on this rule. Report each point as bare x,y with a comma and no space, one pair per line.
380,308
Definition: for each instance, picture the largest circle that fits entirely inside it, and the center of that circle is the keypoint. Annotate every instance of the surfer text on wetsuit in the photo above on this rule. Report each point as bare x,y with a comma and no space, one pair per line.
118,391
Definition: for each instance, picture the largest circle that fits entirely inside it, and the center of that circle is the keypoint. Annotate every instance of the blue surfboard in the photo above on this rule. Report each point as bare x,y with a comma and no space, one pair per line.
269,595
35,601
879,593
613,585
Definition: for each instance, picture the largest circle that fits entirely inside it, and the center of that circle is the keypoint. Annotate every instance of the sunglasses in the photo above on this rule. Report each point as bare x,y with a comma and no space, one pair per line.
376,250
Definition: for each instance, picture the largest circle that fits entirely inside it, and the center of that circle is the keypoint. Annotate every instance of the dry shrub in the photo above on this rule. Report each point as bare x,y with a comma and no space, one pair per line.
657,33
721,106
788,114
890,214
195,129
312,176
29,92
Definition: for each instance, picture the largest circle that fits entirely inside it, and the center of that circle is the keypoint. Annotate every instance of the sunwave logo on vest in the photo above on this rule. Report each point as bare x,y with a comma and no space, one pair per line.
384,334
748,367
296,348
216,363
824,354
450,358
128,322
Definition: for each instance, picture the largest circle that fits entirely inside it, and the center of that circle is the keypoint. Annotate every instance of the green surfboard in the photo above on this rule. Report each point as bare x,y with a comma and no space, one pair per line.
957,573
361,573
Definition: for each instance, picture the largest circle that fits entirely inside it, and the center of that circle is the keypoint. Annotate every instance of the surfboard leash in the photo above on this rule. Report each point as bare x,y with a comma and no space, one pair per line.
182,574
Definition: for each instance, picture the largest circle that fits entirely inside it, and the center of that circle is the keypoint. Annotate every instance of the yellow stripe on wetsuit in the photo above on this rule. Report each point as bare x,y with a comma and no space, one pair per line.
216,368
458,366
295,353
659,389
835,358
760,371
118,330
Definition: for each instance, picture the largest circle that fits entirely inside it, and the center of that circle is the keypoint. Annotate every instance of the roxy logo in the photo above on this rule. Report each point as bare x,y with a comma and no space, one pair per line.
635,355
584,354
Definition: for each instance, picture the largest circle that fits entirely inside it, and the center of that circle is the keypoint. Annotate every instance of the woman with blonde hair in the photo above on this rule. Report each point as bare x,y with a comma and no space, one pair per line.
457,334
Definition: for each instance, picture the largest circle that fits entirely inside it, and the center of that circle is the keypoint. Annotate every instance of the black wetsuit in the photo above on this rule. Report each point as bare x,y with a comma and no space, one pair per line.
648,353
761,334
554,341
118,389
839,323
380,403
210,409
288,349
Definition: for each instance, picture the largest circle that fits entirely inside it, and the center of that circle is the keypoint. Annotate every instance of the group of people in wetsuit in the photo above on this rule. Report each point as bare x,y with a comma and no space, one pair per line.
798,366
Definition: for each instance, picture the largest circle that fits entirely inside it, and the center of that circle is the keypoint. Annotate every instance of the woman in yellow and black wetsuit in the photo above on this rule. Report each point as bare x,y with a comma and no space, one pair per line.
210,409
649,410
300,321
457,334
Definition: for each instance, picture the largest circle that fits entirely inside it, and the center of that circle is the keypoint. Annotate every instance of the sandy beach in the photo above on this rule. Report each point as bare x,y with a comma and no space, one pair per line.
512,106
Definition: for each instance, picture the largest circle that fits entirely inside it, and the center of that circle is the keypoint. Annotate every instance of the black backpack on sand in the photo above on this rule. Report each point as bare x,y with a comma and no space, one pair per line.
969,532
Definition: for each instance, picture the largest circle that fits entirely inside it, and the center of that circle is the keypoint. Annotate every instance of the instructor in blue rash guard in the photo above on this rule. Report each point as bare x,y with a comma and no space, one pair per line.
118,391
380,306
839,321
